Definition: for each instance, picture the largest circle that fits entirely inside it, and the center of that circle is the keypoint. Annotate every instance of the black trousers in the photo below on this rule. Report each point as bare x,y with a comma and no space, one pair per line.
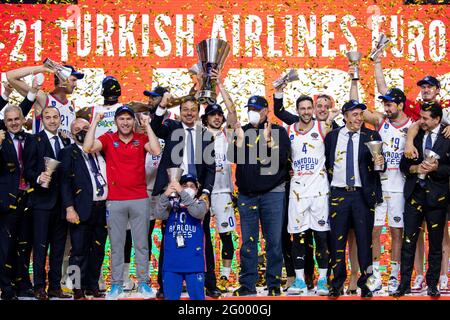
286,242
309,254
417,209
347,207
88,240
15,245
49,229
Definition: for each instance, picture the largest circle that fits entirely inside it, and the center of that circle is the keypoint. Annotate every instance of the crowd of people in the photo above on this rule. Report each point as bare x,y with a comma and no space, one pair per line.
319,192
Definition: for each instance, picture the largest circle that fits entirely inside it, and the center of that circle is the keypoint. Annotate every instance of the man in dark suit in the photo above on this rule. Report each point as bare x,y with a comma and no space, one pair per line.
189,135
48,226
426,196
355,189
83,196
15,216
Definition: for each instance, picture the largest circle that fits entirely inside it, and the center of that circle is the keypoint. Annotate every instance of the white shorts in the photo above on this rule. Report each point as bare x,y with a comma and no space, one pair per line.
308,213
393,205
222,210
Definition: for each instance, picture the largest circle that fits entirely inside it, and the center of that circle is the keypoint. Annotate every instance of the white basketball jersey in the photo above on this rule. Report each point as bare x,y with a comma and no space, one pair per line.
107,124
67,113
308,162
152,162
223,181
394,139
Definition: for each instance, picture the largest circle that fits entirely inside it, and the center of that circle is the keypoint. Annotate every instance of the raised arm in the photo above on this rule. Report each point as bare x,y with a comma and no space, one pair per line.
92,145
229,104
279,110
410,150
152,146
379,76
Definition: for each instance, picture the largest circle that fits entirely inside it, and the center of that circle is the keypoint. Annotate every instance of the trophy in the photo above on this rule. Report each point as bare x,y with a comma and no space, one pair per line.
429,156
382,43
292,75
212,54
174,175
63,73
375,148
354,58
50,167
195,69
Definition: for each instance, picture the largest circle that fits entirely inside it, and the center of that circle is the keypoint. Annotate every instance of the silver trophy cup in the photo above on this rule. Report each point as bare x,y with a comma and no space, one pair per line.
292,75
354,58
212,54
63,73
429,156
50,167
382,43
174,175
376,149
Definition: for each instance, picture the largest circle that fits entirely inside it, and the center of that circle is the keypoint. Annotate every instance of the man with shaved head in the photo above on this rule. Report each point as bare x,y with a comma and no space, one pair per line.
83,197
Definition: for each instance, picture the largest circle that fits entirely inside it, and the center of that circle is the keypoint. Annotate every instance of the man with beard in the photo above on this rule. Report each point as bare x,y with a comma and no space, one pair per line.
392,127
426,197
15,215
84,192
128,202
355,190
57,98
308,196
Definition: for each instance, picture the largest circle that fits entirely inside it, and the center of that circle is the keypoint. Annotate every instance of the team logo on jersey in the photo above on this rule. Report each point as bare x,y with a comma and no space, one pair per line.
292,137
71,109
200,277
116,144
136,142
53,103
224,224
404,130
321,222
397,219
314,135
386,125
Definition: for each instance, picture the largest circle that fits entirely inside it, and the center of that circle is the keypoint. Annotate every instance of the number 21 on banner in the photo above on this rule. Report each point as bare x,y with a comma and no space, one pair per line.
20,27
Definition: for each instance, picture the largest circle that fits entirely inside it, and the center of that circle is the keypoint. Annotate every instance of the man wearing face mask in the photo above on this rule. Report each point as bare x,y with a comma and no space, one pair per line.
84,192
15,216
261,152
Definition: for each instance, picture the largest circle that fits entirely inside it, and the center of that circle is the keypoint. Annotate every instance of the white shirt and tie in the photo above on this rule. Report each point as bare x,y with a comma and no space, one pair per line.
434,133
101,167
51,138
340,161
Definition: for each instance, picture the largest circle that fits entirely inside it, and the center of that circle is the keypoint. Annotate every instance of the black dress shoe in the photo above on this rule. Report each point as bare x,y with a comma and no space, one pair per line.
96,293
40,294
160,294
274,291
243,291
28,293
401,291
78,294
213,292
335,292
433,291
309,280
8,295
58,293
351,292
366,293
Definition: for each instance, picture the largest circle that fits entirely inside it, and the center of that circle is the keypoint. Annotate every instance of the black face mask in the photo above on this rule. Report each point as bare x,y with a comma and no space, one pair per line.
80,136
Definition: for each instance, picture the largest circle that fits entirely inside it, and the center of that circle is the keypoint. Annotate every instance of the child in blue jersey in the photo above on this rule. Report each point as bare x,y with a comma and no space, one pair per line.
184,255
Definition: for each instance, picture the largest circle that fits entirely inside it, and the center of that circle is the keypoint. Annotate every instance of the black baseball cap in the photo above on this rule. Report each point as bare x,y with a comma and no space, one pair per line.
74,72
353,104
213,108
188,177
123,109
111,88
258,102
395,95
432,81
157,92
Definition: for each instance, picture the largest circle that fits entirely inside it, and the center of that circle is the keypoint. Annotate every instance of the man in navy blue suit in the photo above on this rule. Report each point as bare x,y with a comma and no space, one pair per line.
355,188
49,228
15,216
83,194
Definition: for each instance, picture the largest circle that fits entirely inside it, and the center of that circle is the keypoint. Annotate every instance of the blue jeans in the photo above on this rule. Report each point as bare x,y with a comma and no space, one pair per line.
267,209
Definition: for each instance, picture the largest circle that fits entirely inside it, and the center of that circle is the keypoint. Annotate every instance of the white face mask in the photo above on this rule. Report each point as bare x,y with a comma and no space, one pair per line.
191,192
254,117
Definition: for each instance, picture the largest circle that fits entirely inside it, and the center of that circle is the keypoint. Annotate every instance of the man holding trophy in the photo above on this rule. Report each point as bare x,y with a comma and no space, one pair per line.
65,83
50,228
426,197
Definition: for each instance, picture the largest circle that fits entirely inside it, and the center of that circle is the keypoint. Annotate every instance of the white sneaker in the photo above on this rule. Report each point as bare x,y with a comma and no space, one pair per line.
443,284
392,285
419,284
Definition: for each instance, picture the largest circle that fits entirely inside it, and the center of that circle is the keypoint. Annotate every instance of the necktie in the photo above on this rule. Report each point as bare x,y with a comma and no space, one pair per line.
22,183
190,154
349,168
95,172
57,146
428,142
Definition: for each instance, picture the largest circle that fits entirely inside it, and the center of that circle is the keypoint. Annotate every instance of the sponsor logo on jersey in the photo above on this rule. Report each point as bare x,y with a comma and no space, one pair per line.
321,222
136,142
224,224
386,125
71,109
53,103
397,219
292,137
116,144
314,135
